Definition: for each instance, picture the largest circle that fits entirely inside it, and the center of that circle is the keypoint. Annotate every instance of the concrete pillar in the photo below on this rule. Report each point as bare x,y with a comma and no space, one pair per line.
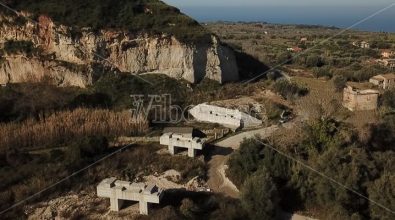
143,207
171,150
115,204
191,152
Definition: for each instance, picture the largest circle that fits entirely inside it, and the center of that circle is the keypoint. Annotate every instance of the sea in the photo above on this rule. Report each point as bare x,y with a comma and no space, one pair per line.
367,17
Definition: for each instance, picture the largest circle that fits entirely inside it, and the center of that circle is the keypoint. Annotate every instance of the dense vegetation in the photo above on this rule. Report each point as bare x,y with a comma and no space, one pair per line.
325,52
289,89
17,47
331,148
48,132
152,16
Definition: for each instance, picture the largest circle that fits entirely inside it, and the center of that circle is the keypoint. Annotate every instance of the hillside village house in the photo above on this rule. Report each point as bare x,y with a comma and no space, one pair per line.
384,81
387,63
295,49
365,45
387,53
362,44
360,100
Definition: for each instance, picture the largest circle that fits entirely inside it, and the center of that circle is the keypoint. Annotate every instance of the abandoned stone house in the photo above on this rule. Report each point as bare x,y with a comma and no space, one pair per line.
230,118
360,100
385,81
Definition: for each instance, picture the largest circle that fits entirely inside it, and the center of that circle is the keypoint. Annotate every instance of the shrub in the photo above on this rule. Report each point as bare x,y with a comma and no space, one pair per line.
259,196
383,135
186,207
382,192
314,61
289,89
339,82
93,145
388,98
284,58
95,100
322,72
16,47
21,101
245,161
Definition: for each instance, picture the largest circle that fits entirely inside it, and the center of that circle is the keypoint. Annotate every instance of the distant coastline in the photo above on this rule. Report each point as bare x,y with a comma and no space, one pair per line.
341,17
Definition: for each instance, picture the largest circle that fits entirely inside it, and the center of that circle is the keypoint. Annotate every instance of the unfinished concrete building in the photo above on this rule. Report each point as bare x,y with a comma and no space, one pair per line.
119,191
184,138
230,118
360,100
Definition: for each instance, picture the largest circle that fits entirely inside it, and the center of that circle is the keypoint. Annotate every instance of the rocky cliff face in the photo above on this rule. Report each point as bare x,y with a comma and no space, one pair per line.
69,58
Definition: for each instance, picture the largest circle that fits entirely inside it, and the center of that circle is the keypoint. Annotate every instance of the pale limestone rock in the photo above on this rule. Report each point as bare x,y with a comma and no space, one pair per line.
124,51
21,69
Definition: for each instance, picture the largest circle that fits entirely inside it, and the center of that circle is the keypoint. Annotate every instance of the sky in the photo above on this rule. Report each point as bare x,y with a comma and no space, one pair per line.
184,3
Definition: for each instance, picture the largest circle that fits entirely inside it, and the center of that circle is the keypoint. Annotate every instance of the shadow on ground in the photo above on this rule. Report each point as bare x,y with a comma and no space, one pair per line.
249,66
213,150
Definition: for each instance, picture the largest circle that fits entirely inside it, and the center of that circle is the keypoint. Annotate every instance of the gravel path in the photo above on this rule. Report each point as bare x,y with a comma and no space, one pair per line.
218,181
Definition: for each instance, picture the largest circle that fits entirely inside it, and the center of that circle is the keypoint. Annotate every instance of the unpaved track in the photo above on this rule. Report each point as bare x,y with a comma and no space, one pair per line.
218,181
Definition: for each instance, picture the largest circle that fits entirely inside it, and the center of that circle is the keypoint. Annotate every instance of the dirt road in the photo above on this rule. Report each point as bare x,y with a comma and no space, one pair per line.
218,181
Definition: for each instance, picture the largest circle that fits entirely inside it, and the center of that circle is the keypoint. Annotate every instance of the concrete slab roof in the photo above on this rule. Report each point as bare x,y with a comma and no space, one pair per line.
109,182
139,186
178,130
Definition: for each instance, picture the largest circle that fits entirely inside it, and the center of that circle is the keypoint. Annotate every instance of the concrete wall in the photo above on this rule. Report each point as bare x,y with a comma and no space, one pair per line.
118,191
176,140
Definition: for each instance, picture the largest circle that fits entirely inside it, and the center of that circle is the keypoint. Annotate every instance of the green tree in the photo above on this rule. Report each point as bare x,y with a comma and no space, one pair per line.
383,135
259,196
382,192
339,82
322,72
186,207
284,57
388,98
289,89
245,161
314,61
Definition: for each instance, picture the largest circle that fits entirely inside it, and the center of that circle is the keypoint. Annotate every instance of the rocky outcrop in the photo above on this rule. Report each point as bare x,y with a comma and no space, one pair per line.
126,52
19,68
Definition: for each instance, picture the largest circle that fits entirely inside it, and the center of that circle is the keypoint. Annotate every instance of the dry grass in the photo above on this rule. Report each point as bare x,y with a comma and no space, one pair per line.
66,125
323,100
322,97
